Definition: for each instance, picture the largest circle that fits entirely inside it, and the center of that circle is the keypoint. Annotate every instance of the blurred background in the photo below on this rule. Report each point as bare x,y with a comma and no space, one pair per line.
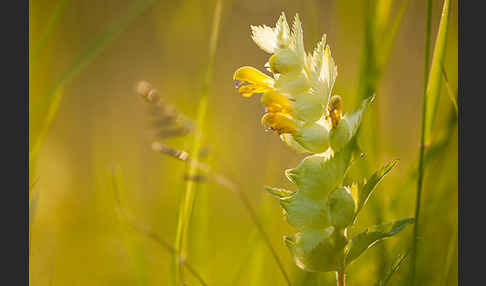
87,56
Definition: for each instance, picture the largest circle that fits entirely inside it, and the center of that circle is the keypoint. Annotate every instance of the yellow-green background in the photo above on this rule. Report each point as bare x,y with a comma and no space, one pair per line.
77,237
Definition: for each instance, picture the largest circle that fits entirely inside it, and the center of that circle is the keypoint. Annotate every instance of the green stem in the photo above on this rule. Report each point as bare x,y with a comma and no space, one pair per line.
187,201
421,169
341,277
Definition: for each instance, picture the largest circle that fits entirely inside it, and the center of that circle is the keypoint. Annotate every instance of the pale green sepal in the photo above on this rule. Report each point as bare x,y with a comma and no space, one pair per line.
341,207
313,137
348,126
370,236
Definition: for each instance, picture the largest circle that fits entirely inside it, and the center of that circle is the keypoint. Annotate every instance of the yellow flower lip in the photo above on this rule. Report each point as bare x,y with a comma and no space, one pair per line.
280,122
276,102
250,81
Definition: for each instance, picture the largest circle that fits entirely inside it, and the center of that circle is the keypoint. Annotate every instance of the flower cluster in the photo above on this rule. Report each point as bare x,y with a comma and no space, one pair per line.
297,95
300,107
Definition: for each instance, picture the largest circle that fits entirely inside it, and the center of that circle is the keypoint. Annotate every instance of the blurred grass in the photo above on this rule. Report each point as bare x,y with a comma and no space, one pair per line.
432,81
187,202
99,123
50,102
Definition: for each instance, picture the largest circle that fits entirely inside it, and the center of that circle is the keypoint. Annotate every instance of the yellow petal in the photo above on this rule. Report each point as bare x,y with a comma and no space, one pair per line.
249,90
252,76
273,97
276,102
280,123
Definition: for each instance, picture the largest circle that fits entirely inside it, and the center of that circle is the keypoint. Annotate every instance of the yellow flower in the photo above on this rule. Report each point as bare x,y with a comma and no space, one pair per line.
250,81
278,116
296,96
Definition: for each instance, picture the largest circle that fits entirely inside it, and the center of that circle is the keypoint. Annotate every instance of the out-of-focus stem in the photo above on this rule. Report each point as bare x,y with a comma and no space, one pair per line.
422,146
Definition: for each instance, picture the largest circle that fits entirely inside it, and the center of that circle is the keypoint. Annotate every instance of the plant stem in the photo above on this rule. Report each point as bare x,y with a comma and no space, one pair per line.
341,278
422,146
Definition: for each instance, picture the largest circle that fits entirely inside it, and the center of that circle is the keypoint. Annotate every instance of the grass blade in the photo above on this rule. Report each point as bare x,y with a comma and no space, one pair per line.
431,93
187,201
435,75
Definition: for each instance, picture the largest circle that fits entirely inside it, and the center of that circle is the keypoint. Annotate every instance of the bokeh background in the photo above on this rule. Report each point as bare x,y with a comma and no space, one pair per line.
77,237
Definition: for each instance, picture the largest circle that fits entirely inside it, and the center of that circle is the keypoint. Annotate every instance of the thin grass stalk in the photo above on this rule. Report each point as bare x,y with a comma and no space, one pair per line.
432,78
187,201
422,145
230,185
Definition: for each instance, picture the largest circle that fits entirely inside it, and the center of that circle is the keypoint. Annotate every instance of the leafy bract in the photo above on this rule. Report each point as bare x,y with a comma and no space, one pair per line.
317,175
316,249
364,192
370,236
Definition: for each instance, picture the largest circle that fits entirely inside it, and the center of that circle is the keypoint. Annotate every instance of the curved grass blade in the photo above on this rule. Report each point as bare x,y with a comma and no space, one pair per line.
51,102
55,17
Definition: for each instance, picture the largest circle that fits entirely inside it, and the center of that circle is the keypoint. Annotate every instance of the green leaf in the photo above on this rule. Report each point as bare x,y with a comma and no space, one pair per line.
370,236
348,126
316,250
317,175
365,191
434,81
